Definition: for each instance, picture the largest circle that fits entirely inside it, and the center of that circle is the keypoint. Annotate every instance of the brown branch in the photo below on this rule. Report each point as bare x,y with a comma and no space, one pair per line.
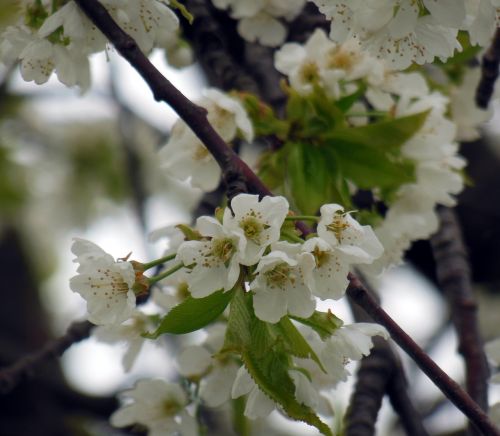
380,372
489,72
448,386
12,375
453,273
196,119
194,116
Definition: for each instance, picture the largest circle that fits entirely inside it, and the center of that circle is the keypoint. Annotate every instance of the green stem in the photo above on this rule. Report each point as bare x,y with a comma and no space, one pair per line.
158,261
366,114
302,218
292,237
168,272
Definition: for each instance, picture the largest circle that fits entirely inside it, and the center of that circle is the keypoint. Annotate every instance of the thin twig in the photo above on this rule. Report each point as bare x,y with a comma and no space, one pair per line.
453,273
196,119
448,386
489,72
12,375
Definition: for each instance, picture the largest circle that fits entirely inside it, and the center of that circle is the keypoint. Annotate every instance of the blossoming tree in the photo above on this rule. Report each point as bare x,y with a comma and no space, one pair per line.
357,110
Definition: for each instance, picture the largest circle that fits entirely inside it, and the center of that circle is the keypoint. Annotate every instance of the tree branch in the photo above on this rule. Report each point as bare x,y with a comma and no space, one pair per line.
380,372
194,115
12,375
448,386
489,72
453,273
196,119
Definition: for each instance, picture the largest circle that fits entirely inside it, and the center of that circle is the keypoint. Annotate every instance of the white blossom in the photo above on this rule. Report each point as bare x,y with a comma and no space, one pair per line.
357,243
158,405
129,334
260,20
258,222
215,259
258,404
218,372
350,342
282,283
329,277
106,285
185,157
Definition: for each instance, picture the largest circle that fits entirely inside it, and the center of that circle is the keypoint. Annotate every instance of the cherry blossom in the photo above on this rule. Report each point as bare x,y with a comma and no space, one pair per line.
258,222
158,405
105,284
283,283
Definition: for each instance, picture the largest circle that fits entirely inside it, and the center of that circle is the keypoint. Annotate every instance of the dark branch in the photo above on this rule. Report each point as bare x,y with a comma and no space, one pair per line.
11,376
196,119
489,72
194,116
453,273
448,386
380,372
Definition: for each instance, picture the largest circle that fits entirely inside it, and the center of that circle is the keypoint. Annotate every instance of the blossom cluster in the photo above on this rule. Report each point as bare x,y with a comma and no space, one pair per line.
48,40
407,31
185,157
341,70
251,247
261,20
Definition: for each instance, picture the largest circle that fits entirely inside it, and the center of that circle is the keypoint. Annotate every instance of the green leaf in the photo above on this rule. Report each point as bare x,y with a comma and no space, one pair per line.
385,135
323,323
270,373
238,332
309,177
369,168
295,343
176,4
272,168
192,314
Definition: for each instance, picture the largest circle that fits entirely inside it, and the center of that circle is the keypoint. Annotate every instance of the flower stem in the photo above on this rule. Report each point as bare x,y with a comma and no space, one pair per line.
168,272
292,237
158,261
302,218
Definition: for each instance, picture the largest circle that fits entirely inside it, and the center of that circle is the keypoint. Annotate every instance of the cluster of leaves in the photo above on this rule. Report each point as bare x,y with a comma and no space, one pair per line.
322,155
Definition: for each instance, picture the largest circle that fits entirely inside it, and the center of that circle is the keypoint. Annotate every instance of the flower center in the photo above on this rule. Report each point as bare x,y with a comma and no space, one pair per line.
280,276
338,225
200,153
341,59
223,249
309,72
170,407
321,257
252,228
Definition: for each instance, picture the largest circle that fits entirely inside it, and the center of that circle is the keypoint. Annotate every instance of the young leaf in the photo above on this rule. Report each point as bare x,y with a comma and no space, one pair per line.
294,342
323,323
385,136
309,177
192,314
239,324
270,373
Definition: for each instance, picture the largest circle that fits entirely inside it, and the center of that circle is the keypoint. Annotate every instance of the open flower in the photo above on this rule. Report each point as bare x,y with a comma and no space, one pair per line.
258,404
259,222
129,334
215,259
329,278
282,284
184,156
158,405
105,284
357,243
